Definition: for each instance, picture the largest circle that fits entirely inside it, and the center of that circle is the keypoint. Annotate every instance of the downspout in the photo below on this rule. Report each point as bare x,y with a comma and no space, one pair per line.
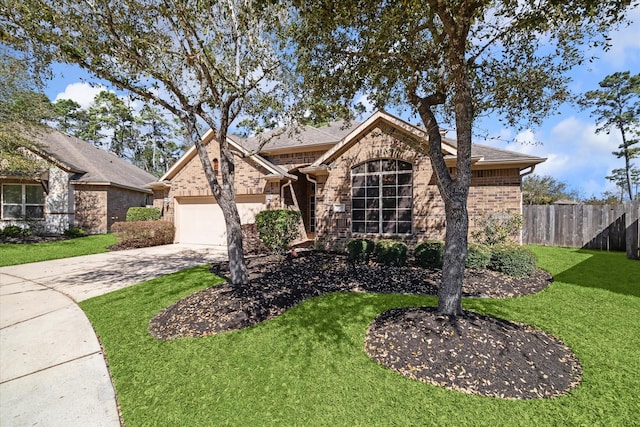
315,205
522,175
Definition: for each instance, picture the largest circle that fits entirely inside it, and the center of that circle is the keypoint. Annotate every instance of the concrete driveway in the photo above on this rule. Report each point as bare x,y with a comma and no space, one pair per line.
52,371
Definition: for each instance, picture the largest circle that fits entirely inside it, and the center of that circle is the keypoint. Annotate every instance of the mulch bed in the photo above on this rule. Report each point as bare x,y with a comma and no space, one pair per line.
470,353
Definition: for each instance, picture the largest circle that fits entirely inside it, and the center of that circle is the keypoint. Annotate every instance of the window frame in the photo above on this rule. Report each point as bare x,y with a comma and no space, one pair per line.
381,193
24,204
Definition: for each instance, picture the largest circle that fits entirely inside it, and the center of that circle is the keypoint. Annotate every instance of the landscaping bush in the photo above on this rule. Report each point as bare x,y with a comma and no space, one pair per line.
391,253
498,228
142,234
429,254
143,214
13,231
74,232
360,250
512,260
478,256
278,228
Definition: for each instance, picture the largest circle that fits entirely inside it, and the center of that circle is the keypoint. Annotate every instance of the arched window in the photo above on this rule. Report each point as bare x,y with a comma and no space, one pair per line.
382,197
216,166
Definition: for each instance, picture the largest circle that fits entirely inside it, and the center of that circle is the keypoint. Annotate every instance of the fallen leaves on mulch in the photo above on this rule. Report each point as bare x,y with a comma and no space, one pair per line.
470,353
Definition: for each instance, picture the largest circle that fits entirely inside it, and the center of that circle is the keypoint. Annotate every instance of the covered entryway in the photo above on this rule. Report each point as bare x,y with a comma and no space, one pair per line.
199,220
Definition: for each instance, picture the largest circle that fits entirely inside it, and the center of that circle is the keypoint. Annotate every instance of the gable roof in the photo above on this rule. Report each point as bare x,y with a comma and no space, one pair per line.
275,171
296,138
90,164
338,137
481,155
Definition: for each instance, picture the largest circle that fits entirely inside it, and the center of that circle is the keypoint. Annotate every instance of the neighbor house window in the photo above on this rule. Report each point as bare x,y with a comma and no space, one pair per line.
21,201
382,197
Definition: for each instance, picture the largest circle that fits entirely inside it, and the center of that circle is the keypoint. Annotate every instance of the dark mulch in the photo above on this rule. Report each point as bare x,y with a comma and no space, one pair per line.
470,353
32,239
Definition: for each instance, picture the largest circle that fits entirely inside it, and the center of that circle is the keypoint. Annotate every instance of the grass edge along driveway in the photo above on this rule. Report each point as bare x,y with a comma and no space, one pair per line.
24,253
308,367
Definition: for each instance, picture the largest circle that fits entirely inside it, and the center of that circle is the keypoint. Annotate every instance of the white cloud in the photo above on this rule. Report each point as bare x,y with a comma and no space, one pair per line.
625,42
82,93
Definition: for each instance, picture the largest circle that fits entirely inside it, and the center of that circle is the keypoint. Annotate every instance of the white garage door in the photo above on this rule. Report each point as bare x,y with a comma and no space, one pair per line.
199,220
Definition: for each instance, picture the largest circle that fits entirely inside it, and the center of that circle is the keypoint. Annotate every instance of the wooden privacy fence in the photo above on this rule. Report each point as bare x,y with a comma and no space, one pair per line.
612,228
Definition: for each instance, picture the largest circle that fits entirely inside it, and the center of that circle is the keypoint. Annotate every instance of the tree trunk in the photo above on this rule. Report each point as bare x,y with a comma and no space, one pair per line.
455,255
225,196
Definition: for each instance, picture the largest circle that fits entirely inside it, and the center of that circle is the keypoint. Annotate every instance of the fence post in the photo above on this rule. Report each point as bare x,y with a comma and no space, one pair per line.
632,230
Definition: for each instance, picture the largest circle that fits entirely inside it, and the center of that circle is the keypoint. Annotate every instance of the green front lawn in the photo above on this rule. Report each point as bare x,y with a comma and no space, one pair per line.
23,253
308,367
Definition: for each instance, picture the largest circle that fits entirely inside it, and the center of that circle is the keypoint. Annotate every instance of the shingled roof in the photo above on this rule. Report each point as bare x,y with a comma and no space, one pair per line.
90,165
300,136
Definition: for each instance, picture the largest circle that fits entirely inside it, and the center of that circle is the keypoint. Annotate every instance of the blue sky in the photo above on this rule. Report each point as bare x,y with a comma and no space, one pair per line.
575,154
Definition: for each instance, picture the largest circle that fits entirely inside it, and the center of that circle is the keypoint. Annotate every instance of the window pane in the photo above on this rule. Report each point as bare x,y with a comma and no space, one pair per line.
358,215
373,166
34,212
357,203
373,203
388,191
357,192
11,211
389,227
389,215
404,214
404,166
357,227
389,165
405,190
12,194
372,227
34,194
373,216
404,227
358,181
389,180
389,202
359,169
404,202
404,179
373,192
373,180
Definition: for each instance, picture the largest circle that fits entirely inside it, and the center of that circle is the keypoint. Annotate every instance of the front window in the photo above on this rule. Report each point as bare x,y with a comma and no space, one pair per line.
382,197
20,201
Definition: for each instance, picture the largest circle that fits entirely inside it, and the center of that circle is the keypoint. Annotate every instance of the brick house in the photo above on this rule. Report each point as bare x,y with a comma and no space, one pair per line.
78,185
360,180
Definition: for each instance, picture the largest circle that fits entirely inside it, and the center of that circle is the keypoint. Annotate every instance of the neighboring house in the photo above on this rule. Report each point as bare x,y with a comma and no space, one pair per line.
80,185
362,180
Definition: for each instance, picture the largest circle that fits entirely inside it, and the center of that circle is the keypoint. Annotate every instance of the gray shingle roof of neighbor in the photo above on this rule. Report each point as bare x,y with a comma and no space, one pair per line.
299,136
90,164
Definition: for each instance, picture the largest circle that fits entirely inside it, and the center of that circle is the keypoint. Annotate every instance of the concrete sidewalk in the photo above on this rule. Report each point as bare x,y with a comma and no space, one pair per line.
52,371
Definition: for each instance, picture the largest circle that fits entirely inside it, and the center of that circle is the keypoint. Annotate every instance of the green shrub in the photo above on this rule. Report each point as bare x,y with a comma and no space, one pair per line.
512,260
73,232
143,214
429,254
478,256
142,234
278,228
391,253
14,231
498,228
360,250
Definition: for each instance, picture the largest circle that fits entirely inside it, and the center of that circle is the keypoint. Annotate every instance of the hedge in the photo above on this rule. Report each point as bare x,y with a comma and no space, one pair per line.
391,253
277,228
143,214
142,234
512,260
478,256
429,254
360,250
